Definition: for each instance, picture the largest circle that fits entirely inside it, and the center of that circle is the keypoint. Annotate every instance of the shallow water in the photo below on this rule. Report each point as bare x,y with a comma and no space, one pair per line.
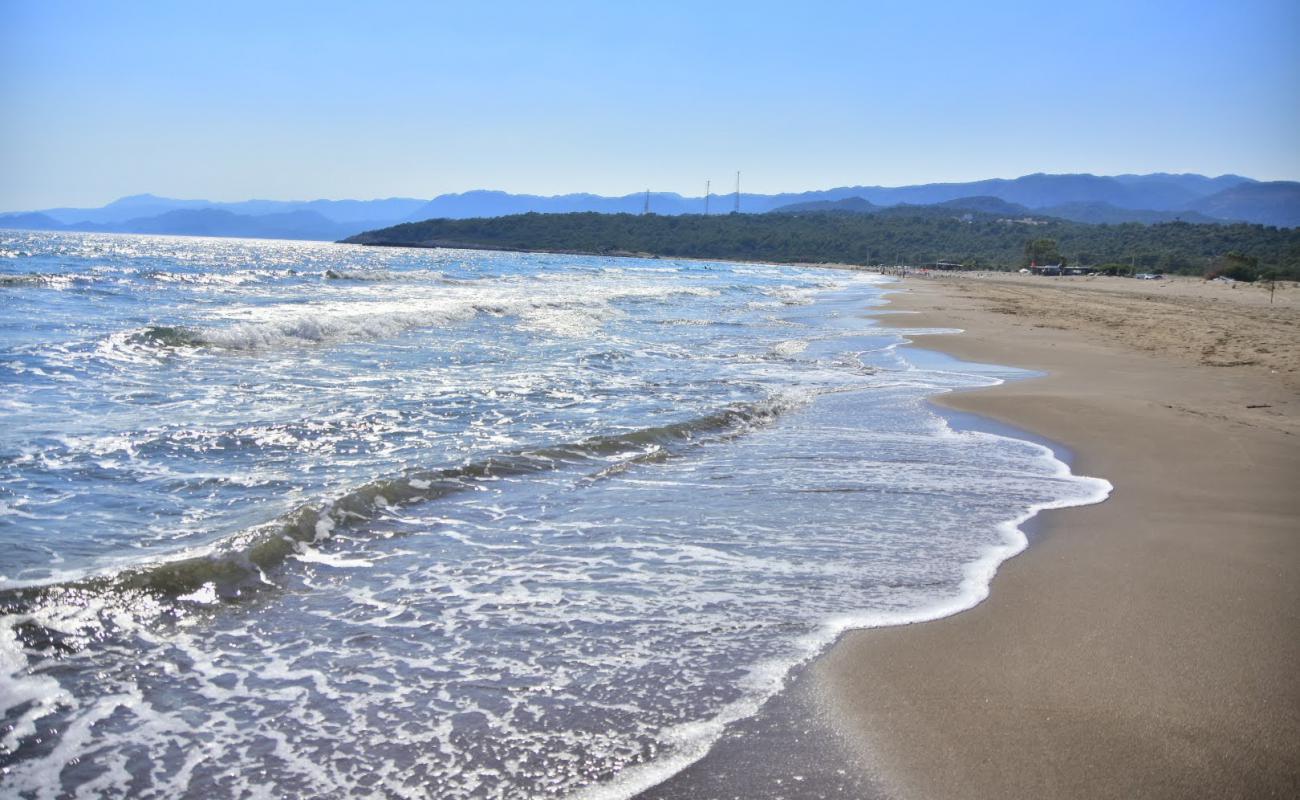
303,519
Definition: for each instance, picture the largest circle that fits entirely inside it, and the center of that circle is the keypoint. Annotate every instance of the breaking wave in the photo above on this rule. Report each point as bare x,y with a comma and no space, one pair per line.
334,322
239,565
168,336
358,275
48,279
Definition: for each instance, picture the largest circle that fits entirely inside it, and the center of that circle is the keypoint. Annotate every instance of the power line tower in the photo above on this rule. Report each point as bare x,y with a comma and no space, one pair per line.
646,209
736,210
707,185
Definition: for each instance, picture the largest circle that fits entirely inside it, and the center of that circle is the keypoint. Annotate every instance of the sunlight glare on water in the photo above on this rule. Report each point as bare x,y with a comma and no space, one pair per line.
306,519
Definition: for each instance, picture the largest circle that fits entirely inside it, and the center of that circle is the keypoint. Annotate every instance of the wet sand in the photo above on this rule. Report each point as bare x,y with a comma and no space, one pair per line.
1144,647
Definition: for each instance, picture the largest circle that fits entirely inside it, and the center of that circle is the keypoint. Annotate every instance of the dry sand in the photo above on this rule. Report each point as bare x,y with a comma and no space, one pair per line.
1148,646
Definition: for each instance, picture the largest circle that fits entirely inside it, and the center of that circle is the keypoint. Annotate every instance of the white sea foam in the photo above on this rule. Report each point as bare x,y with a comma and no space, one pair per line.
790,347
204,595
555,310
440,618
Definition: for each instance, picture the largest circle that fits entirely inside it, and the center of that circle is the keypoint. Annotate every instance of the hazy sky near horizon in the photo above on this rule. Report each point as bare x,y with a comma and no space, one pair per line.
299,100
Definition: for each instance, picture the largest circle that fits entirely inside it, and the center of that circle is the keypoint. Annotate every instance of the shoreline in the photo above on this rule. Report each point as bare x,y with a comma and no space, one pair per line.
1140,647
799,741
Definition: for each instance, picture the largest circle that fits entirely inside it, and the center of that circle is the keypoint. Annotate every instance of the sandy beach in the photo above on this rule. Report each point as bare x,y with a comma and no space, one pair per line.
1144,647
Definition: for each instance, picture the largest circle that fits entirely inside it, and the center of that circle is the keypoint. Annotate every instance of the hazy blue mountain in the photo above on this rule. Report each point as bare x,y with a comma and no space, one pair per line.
1159,192
1162,190
1105,213
194,222
30,221
1086,198
206,222
1089,212
484,203
987,205
389,210
849,205
1031,190
858,205
138,203
1198,182
359,210
218,222
122,209
1272,203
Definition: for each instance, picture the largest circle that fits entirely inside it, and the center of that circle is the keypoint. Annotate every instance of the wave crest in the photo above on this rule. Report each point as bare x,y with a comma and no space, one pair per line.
167,336
238,566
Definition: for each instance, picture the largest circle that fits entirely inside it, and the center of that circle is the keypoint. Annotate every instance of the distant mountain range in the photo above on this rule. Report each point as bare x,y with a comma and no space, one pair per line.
1158,197
259,219
1092,212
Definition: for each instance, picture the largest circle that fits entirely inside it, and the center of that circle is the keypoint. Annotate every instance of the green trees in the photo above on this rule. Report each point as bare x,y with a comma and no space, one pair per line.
1236,266
916,235
1042,252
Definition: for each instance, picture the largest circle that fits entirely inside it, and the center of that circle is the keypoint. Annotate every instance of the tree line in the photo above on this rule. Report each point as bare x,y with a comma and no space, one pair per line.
903,237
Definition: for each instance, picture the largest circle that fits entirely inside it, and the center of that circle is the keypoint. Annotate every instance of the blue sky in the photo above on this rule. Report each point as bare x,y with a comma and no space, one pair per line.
298,100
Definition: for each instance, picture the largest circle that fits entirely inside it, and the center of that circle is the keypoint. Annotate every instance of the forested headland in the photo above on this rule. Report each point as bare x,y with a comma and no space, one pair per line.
914,236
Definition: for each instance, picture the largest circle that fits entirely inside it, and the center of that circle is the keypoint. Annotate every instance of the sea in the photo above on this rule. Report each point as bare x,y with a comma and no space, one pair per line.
300,519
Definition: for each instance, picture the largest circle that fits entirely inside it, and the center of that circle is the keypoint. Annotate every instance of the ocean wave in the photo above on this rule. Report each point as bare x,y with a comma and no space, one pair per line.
358,275
167,336
57,280
368,320
313,329
128,276
789,348
238,566
385,275
297,330
239,277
